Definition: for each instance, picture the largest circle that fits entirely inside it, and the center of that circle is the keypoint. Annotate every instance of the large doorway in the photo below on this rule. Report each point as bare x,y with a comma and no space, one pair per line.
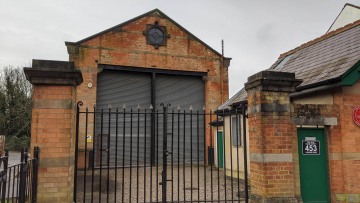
146,150
313,165
119,169
143,90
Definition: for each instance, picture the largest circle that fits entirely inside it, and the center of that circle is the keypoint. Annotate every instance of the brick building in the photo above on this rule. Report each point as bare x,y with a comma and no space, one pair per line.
301,129
128,47
149,60
303,141
140,63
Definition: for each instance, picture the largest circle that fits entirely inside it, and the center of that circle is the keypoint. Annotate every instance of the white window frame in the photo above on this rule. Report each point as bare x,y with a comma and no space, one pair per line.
236,142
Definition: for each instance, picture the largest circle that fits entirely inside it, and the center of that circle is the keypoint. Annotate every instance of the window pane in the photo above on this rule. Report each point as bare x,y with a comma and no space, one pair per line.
235,131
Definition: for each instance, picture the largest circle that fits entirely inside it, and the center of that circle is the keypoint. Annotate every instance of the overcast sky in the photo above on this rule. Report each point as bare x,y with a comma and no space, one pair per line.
255,32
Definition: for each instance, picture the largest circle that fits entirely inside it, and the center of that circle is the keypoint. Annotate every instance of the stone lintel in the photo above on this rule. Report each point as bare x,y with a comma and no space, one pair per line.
302,120
56,162
273,81
266,158
259,199
351,156
347,197
52,104
47,72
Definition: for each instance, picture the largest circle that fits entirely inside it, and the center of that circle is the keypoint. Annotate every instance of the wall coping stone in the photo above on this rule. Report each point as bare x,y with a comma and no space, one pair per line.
48,72
273,81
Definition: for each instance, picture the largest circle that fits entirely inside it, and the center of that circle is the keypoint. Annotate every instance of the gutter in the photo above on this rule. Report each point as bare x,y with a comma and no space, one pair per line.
240,105
315,90
235,107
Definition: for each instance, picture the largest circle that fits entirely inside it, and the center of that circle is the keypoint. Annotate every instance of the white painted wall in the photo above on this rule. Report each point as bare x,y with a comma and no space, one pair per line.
348,15
318,98
234,155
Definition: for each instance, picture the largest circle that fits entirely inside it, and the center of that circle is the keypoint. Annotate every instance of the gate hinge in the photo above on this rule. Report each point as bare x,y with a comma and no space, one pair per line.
167,153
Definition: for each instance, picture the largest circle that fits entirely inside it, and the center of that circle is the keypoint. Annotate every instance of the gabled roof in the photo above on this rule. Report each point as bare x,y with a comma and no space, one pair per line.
155,11
324,60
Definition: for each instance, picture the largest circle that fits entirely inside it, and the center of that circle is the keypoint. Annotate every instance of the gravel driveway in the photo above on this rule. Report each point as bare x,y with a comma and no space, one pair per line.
198,184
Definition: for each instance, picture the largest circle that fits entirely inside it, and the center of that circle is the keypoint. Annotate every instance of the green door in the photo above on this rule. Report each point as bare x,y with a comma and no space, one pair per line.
220,150
313,165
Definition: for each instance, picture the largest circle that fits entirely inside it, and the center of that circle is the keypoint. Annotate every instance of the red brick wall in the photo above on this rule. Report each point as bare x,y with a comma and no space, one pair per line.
270,133
343,142
314,111
344,146
127,47
52,131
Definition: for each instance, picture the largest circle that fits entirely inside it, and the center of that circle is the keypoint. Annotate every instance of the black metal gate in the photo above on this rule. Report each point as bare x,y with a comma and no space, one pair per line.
18,183
166,155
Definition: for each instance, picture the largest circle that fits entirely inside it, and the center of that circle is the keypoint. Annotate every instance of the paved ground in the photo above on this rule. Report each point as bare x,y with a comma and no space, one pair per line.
14,158
140,186
12,177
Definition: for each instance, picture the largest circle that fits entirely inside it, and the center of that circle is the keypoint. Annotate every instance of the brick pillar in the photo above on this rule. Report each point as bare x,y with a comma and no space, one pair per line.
270,136
53,127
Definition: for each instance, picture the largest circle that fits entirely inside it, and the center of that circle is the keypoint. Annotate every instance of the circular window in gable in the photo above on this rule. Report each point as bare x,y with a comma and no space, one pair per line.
156,35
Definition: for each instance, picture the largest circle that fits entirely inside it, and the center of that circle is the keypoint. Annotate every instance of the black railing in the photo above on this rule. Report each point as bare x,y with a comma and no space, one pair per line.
18,183
166,155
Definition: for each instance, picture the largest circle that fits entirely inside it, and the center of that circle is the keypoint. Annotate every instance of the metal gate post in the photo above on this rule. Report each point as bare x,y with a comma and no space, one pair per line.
23,172
35,174
165,153
78,105
3,175
244,116
153,109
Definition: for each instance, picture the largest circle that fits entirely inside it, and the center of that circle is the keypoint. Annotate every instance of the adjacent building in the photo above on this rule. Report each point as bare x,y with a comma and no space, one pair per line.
303,121
349,14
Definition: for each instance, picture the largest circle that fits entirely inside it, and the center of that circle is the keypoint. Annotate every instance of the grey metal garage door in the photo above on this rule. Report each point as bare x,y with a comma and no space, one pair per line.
185,92
128,135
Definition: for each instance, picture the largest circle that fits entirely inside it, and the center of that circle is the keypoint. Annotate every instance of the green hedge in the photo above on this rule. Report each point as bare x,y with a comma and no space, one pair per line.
17,143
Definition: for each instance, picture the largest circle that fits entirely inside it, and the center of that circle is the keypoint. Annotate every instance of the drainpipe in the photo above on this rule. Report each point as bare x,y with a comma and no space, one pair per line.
243,107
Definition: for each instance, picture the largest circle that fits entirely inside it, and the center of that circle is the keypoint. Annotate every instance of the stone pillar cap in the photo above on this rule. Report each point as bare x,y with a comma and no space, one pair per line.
53,73
273,81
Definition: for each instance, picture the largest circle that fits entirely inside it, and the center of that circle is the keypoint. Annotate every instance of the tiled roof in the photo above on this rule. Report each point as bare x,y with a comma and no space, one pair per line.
238,97
323,59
